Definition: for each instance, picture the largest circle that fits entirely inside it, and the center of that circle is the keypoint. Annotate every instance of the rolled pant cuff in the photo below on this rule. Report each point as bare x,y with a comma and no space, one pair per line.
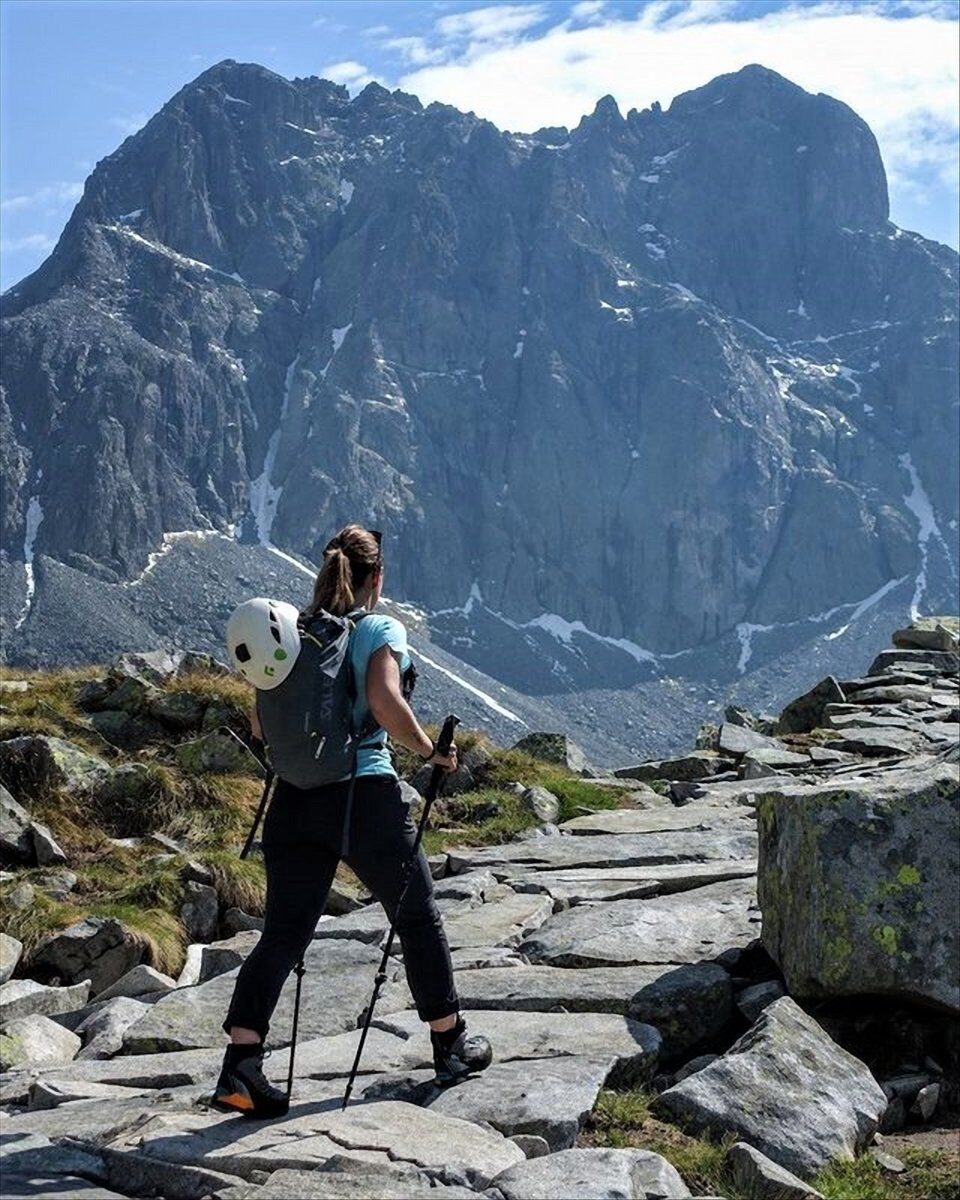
434,1012
241,1022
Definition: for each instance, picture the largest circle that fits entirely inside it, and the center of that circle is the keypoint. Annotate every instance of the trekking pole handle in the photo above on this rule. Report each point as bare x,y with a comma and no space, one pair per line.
444,742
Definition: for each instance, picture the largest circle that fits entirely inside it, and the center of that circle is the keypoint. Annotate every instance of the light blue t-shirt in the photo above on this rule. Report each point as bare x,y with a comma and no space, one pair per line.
371,633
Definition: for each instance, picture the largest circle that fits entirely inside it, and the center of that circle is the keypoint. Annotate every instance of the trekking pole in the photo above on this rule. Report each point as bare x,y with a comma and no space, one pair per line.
433,791
264,799
300,970
269,779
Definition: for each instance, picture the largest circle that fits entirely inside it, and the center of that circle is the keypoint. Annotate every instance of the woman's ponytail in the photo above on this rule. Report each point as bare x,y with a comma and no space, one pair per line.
347,561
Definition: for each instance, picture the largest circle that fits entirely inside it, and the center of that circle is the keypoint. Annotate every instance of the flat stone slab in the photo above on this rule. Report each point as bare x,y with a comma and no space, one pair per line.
611,850
504,922
382,1132
875,741
686,1004
342,1178
632,1046
593,1174
172,1070
687,927
787,1089
582,885
550,1098
336,990
654,820
738,792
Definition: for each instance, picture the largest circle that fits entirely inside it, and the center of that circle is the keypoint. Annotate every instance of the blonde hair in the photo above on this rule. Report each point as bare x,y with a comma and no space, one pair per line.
349,558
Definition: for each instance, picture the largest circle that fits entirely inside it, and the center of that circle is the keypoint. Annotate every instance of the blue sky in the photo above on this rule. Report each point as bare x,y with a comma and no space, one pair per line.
80,75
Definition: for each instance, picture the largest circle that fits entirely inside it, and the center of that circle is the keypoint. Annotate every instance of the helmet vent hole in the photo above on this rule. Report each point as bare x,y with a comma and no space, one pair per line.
276,634
242,653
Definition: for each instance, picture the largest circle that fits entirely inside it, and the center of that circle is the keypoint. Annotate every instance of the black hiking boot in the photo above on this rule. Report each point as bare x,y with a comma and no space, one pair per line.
243,1088
457,1056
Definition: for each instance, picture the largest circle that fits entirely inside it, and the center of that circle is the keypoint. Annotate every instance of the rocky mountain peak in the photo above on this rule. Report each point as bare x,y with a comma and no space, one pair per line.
684,351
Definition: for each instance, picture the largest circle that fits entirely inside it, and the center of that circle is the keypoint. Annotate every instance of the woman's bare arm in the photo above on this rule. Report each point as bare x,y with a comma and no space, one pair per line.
385,700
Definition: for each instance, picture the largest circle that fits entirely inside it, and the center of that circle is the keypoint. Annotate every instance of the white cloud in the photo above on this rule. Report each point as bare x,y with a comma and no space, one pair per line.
349,72
587,10
53,195
130,124
492,24
415,50
899,74
31,241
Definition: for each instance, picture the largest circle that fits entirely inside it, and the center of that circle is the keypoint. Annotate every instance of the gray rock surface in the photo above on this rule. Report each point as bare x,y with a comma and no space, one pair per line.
543,804
191,1018
613,850
16,842
346,1178
100,949
102,1031
200,911
140,980
632,1047
593,1174
557,748
10,952
580,885
787,1089
381,1133
760,1177
754,999
549,1097
657,820
35,1039
686,1004
687,927
806,711
22,997
858,884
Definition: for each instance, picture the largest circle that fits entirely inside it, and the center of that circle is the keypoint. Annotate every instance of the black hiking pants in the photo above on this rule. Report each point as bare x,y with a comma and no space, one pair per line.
302,838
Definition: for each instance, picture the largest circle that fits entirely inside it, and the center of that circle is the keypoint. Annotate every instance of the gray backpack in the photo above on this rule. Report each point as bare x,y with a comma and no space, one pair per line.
307,720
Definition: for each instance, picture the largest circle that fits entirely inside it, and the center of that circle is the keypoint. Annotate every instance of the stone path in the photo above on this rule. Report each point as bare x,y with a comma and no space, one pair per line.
603,954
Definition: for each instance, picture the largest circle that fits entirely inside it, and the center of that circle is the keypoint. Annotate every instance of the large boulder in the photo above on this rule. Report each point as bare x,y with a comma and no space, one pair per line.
930,633
16,837
100,949
806,712
37,765
200,911
698,765
858,884
785,1088
22,997
593,1174
36,1039
553,748
10,952
219,752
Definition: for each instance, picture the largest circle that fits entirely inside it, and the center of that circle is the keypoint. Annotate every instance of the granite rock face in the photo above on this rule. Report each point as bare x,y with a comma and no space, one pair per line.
787,1089
277,346
858,884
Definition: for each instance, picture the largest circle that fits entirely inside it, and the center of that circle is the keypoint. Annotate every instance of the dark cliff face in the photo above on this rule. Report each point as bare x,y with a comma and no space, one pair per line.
665,374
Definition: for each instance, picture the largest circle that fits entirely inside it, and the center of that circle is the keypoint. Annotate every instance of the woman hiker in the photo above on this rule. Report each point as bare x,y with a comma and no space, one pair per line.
304,834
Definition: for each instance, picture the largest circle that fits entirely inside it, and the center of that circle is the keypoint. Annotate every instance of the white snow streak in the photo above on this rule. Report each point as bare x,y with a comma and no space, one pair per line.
488,700
338,338
862,607
33,521
264,496
346,190
919,504
745,632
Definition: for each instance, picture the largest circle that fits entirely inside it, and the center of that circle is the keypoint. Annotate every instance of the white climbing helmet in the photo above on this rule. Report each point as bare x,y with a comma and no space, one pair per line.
263,641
